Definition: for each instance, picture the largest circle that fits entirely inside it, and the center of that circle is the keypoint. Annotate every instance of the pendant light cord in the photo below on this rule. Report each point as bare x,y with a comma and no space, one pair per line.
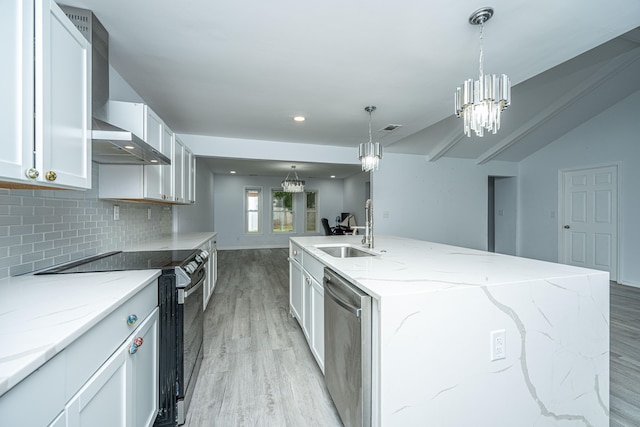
481,60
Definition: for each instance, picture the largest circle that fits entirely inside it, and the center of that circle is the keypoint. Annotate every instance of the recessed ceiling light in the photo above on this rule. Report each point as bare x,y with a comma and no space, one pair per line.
154,161
232,171
333,176
129,147
299,118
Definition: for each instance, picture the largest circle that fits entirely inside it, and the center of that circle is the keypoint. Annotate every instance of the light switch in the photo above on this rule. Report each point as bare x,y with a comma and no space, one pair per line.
385,215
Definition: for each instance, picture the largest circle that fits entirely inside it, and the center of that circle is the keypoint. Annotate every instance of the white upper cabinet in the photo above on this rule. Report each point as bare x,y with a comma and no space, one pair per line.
190,162
45,107
179,170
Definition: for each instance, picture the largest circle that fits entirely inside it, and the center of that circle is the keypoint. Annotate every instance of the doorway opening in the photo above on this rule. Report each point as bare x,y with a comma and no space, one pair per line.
502,214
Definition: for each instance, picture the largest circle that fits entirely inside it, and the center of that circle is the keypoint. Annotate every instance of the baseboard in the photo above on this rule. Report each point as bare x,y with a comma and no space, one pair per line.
631,283
237,248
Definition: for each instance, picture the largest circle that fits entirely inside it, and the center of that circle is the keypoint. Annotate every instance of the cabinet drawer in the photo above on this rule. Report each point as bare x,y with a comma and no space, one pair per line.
295,252
314,267
89,352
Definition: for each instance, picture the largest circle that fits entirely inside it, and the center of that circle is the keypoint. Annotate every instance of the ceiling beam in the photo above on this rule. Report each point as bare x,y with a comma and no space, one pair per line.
605,73
445,145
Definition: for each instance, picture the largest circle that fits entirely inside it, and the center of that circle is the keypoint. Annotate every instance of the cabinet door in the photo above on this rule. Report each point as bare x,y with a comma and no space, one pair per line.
168,149
190,176
62,99
16,87
317,323
153,129
307,309
104,399
178,171
145,373
295,290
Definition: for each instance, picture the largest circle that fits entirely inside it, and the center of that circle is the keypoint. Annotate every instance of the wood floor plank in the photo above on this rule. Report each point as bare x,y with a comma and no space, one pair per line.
258,369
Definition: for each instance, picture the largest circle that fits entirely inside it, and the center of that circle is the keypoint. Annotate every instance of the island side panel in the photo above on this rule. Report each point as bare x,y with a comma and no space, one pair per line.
435,355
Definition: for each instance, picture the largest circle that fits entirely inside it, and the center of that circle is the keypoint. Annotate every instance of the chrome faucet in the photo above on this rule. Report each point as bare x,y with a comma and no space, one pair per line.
367,239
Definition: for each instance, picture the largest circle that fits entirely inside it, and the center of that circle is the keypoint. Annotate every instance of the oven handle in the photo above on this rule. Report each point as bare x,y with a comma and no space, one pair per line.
191,290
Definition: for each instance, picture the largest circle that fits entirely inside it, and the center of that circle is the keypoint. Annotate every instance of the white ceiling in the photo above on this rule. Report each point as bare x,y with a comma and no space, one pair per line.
244,69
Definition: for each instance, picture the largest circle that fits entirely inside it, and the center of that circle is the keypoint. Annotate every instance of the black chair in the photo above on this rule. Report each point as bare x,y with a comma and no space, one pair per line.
325,225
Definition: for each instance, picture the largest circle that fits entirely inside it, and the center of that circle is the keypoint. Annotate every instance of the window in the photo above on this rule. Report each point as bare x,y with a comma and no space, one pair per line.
252,209
282,203
311,216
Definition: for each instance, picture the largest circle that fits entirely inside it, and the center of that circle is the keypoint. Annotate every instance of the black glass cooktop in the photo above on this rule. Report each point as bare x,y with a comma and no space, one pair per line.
118,261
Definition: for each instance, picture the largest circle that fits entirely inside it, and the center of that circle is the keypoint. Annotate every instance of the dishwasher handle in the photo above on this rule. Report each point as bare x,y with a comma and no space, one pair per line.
349,307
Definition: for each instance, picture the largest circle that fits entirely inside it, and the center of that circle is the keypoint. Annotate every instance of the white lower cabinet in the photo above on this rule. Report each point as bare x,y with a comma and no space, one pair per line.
212,270
124,391
317,323
306,299
96,380
295,290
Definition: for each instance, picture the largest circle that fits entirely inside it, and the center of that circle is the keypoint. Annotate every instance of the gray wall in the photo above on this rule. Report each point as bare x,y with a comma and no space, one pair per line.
609,138
199,216
40,228
443,201
228,207
355,195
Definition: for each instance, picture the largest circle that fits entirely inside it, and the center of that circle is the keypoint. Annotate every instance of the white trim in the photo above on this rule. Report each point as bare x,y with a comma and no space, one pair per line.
293,213
304,208
560,217
260,209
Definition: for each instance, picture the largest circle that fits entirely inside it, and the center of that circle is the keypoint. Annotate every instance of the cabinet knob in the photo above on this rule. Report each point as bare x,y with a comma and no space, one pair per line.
32,173
50,176
135,346
132,319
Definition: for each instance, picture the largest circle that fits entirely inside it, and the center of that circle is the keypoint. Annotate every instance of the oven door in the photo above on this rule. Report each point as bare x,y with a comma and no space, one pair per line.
189,342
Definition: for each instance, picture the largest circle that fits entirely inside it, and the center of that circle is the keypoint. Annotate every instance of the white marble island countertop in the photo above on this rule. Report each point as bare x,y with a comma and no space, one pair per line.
177,241
436,313
407,266
41,315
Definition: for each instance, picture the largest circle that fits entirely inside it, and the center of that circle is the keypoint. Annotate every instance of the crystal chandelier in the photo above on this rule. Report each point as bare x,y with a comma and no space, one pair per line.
480,102
370,152
293,185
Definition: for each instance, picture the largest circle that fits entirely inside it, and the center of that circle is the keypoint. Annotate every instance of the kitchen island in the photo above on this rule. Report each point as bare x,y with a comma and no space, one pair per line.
436,312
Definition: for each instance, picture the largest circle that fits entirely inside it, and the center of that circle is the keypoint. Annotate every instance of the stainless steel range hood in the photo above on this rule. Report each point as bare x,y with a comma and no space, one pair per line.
117,146
111,144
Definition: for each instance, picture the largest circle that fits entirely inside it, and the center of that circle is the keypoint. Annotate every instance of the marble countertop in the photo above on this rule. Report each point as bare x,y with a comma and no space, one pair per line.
42,315
174,242
407,266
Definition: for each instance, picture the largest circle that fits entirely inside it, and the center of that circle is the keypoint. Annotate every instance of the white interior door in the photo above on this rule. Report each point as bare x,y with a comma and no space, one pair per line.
589,232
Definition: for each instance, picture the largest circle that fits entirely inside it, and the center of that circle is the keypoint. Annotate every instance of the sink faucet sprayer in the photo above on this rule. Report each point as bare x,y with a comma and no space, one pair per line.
367,239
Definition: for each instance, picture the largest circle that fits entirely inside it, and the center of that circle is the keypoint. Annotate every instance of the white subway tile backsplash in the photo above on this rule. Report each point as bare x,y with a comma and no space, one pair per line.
40,228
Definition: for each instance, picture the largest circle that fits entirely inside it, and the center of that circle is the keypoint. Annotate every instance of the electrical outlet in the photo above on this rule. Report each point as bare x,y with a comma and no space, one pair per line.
498,345
148,213
116,212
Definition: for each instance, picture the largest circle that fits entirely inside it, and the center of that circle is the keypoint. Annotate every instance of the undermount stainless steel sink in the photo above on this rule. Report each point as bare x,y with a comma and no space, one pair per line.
344,251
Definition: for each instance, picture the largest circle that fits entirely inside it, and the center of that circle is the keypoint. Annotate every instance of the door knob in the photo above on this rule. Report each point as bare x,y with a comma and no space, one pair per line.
567,227
51,176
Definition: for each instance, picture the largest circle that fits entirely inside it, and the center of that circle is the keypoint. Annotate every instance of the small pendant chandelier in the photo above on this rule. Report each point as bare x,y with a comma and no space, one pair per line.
293,185
370,152
480,102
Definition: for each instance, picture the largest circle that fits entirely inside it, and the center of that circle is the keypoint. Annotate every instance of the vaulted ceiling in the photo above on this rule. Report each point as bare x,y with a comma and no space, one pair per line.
244,69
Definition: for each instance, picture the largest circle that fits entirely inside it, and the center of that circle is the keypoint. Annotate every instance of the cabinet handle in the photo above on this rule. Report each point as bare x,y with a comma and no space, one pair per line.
136,345
132,319
32,173
51,176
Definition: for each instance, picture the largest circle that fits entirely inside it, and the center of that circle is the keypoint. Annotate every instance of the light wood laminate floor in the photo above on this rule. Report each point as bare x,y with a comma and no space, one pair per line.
258,370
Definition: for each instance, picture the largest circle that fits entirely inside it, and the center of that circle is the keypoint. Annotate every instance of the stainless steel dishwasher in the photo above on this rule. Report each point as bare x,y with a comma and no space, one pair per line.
347,349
